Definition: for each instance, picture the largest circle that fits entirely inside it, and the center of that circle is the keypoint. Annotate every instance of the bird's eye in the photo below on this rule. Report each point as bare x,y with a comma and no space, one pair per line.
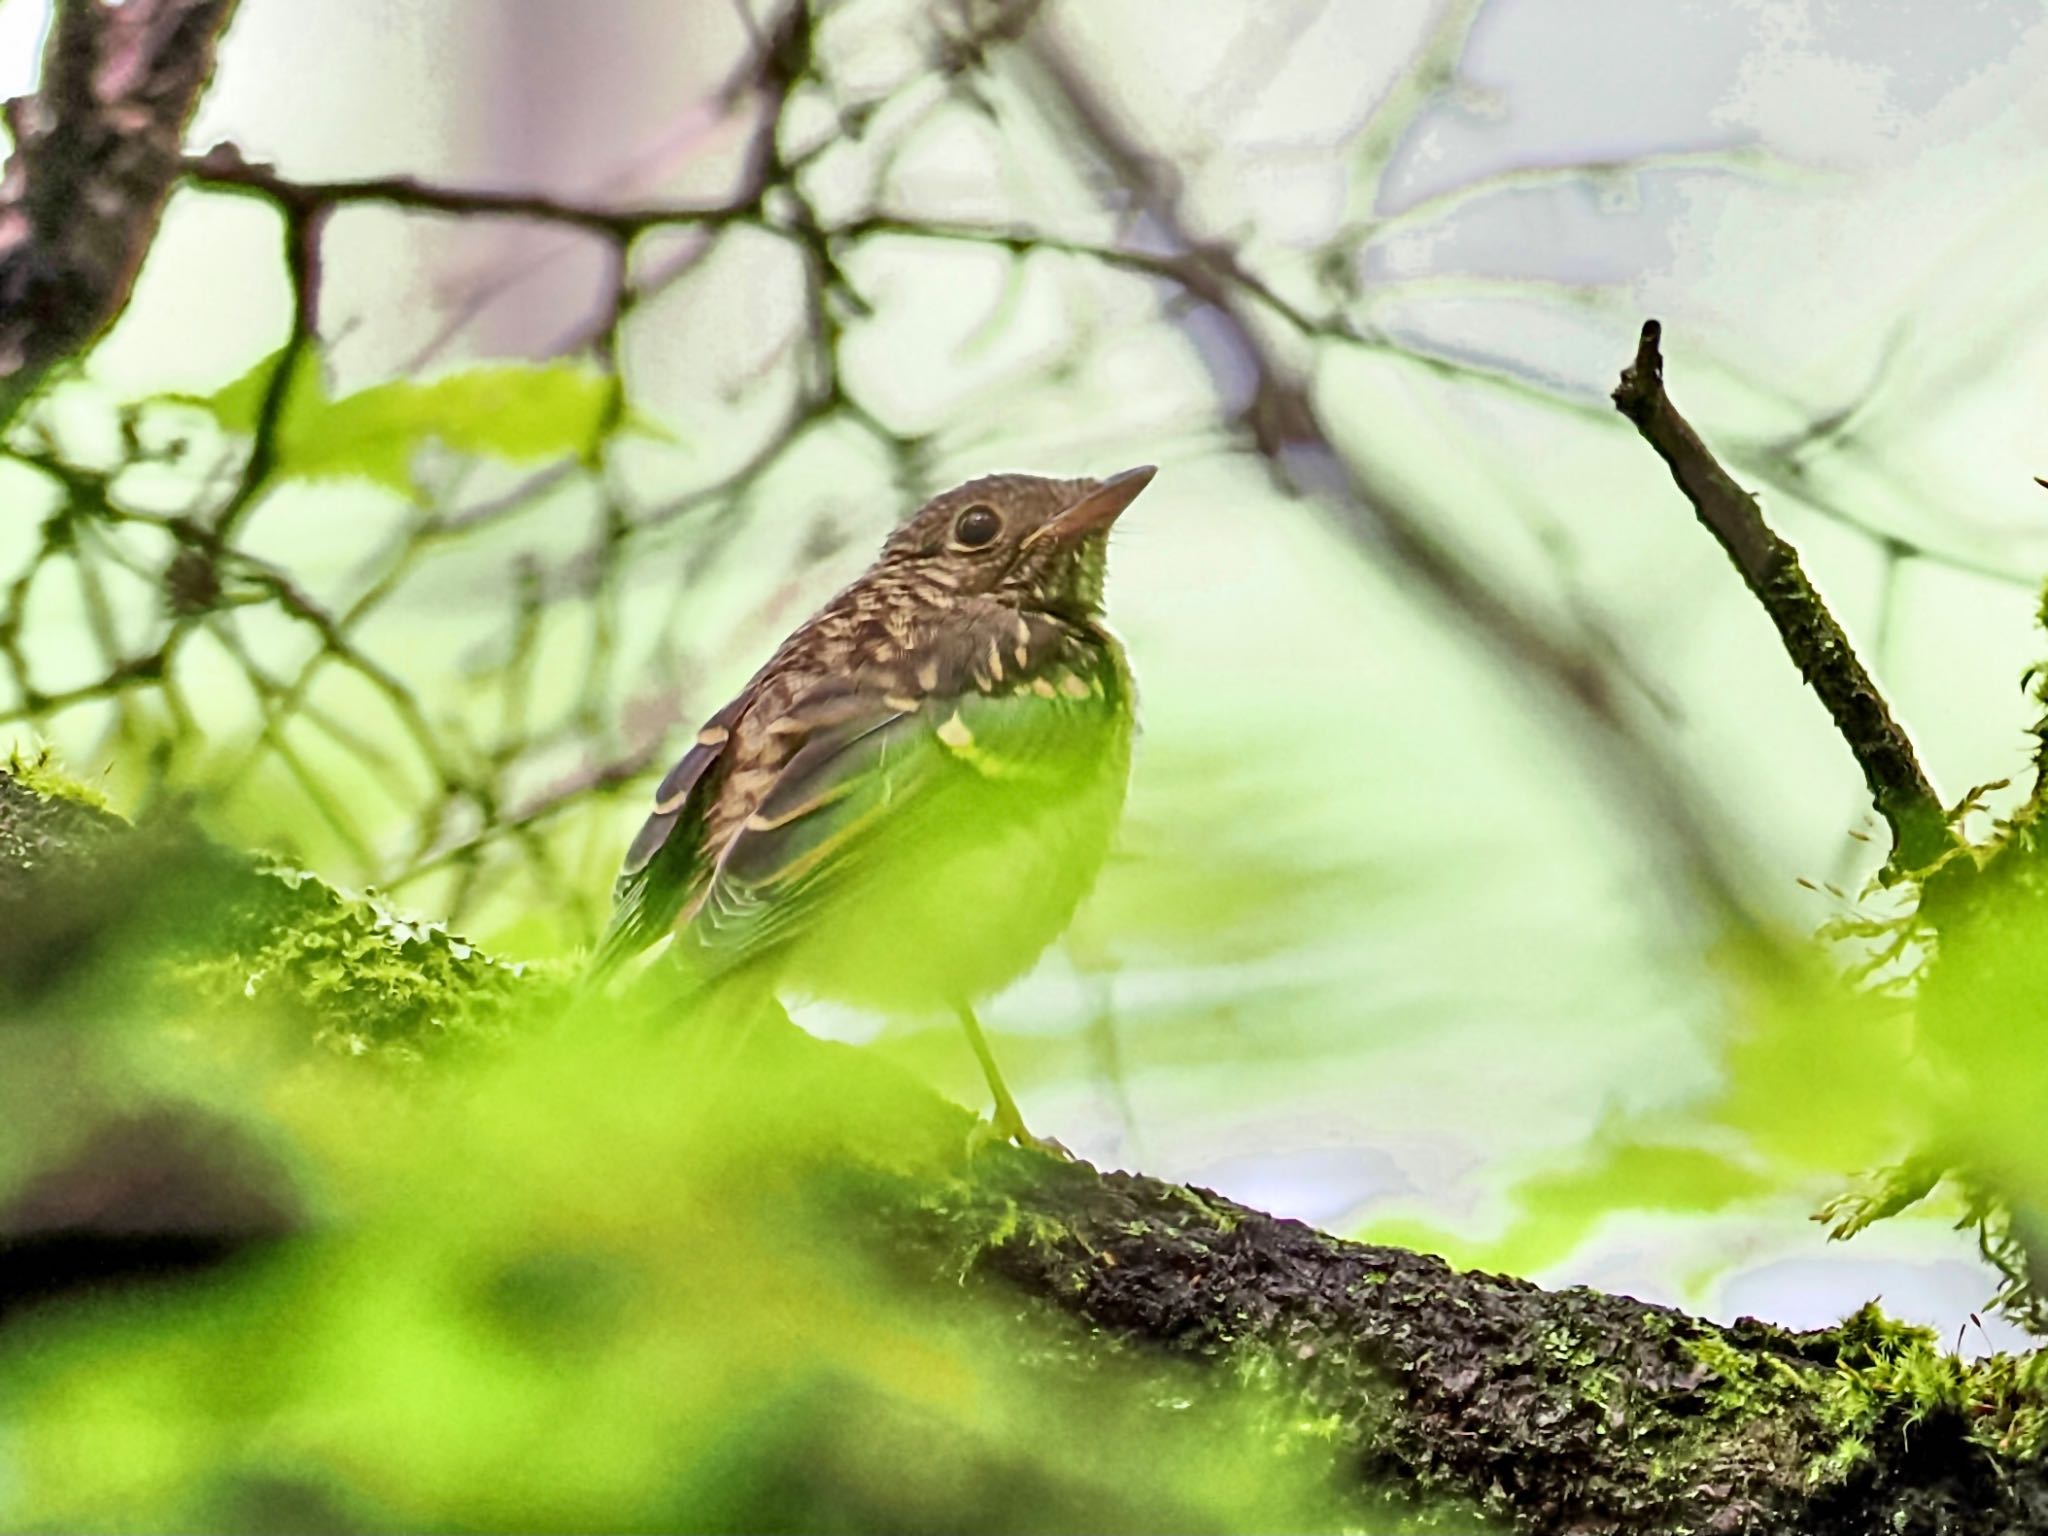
977,526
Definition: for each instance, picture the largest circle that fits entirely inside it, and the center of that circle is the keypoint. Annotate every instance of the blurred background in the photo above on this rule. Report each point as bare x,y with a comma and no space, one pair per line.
1464,750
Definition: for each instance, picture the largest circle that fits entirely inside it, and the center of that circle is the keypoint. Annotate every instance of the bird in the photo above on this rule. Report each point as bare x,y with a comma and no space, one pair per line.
903,807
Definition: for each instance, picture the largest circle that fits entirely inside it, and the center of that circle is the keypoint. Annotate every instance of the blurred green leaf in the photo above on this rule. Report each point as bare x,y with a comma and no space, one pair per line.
519,412
1558,1209
610,1277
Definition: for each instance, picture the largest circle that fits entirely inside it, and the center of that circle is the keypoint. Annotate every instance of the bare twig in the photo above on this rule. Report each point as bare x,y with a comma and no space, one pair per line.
224,169
97,149
1816,643
303,223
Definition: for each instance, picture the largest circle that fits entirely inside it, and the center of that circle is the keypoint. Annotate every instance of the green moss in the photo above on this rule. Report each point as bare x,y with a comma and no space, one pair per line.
986,1220
39,772
1888,1379
1868,1334
1748,1381
241,933
1034,1229
1771,1394
368,981
1894,1375
1839,1463
1566,1346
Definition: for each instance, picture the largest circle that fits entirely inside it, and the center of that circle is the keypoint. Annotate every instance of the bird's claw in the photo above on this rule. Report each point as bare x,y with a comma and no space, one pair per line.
999,1128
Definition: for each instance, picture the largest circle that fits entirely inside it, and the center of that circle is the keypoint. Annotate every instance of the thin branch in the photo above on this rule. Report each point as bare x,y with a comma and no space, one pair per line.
1745,159
572,791
1817,644
208,570
1432,70
303,223
224,169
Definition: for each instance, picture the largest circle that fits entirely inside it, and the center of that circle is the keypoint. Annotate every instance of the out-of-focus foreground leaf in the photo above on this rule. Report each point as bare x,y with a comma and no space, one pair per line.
583,1270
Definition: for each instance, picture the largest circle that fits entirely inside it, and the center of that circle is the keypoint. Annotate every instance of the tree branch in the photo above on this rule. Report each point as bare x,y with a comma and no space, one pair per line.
1816,643
1553,1411
224,169
97,150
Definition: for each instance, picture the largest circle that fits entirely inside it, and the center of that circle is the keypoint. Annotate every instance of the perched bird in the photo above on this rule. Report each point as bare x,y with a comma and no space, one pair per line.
902,809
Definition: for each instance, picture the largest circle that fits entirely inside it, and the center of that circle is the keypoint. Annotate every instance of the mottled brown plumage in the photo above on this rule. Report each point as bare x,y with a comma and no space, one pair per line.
903,806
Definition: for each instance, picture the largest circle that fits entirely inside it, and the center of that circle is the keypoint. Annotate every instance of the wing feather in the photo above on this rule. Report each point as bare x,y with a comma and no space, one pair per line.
878,770
856,764
656,876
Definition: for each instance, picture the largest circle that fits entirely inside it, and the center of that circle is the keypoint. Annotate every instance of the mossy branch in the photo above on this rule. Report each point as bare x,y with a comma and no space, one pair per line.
1552,1411
1815,641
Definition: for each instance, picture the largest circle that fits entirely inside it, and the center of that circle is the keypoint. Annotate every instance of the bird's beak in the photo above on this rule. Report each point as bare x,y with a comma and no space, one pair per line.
1096,510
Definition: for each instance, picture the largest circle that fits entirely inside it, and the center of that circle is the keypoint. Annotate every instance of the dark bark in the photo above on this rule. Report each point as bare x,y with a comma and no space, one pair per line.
96,151
1555,1411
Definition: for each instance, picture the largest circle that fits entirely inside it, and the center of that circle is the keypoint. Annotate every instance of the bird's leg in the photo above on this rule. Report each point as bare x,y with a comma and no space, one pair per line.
1007,1123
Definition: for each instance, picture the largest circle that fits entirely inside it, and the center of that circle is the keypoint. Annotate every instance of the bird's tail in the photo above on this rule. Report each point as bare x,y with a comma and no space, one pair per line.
614,948
678,989
696,985
636,926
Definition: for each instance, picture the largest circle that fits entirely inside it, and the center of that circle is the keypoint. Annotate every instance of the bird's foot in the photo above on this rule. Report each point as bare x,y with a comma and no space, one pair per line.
1010,1128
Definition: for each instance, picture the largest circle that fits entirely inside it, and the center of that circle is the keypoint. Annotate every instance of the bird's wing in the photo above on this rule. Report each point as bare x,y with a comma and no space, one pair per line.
662,866
878,768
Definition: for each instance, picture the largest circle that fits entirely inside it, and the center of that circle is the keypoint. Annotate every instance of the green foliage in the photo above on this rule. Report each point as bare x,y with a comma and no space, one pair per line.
1554,1212
1885,1193
520,412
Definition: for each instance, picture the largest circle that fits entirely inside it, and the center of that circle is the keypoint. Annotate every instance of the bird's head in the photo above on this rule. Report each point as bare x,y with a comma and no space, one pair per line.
1039,543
